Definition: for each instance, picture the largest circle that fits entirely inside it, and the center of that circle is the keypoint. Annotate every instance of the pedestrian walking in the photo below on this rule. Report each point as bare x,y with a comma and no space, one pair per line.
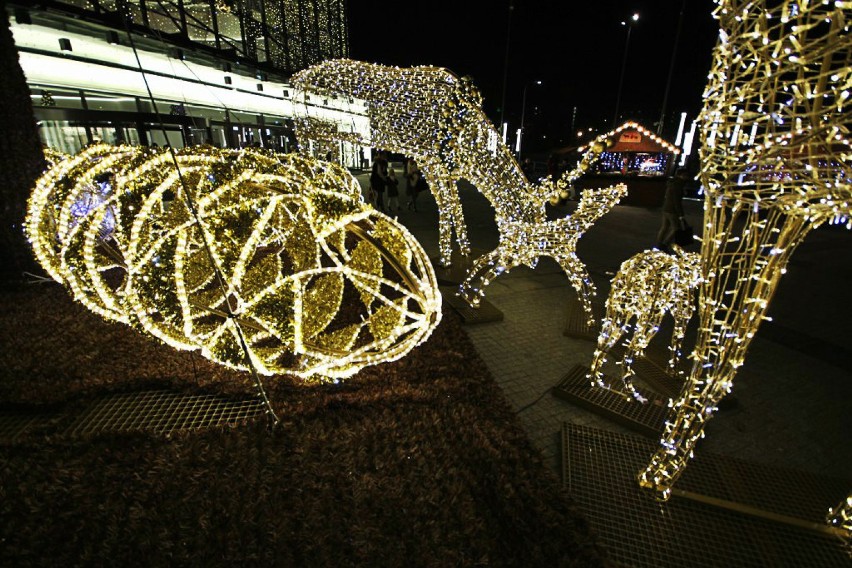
392,185
415,183
673,218
378,180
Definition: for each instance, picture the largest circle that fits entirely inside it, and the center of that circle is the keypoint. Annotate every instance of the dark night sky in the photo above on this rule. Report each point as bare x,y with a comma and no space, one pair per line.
575,48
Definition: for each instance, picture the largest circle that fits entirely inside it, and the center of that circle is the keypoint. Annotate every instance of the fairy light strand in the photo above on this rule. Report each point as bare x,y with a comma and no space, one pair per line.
841,517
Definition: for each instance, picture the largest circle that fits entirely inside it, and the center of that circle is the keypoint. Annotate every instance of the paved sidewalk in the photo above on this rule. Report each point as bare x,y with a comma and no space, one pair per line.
792,395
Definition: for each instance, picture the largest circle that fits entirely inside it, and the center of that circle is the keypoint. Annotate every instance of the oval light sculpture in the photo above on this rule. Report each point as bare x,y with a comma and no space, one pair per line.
237,254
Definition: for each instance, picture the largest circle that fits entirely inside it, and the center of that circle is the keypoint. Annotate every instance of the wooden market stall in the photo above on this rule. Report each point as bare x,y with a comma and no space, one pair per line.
637,157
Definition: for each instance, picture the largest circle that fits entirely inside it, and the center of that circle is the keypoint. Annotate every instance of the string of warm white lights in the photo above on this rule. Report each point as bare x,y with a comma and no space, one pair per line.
775,164
630,125
430,114
318,284
524,243
646,287
610,161
841,517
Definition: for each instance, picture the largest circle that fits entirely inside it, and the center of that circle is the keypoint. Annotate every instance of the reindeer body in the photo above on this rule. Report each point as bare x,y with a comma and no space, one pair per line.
436,117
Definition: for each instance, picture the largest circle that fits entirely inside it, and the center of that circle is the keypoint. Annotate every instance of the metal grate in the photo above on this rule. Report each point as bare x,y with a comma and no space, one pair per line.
789,495
161,412
14,425
599,470
647,419
576,326
485,313
652,370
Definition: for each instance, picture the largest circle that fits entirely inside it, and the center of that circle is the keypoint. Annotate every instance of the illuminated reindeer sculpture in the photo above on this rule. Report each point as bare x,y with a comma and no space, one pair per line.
647,286
436,117
775,164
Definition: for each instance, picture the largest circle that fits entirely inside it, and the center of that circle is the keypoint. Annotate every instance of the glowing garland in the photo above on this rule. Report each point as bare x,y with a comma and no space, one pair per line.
524,242
841,517
647,286
430,114
279,249
775,164
318,137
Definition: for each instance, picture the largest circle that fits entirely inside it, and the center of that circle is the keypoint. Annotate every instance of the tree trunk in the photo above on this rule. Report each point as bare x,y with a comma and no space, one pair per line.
21,159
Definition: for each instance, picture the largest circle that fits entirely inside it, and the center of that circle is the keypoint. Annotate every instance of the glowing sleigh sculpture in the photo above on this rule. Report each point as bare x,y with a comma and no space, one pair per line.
432,115
271,257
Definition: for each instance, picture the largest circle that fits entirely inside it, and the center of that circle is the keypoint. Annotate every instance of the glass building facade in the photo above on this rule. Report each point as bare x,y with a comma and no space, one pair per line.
286,35
180,73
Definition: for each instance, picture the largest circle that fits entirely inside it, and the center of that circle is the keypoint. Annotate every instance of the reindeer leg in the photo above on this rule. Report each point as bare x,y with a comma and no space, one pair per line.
682,313
486,268
445,228
450,215
613,327
645,328
580,280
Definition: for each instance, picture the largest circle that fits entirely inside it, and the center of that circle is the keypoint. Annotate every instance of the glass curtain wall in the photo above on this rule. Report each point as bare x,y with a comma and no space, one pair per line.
289,35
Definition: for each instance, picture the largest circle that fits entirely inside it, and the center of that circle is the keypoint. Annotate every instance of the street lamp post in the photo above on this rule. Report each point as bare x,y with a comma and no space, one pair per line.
671,69
523,114
506,62
629,24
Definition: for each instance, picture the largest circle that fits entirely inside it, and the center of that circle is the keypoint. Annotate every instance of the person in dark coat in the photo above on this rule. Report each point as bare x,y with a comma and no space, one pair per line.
416,183
673,218
378,179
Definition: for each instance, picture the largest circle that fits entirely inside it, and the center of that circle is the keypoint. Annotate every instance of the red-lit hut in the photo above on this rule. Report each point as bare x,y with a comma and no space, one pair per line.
637,157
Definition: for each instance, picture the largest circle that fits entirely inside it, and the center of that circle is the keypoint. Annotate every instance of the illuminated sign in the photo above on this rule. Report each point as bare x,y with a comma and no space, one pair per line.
630,138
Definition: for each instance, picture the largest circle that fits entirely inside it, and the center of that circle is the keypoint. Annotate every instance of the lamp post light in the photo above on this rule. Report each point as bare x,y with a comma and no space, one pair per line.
506,62
629,23
671,69
523,114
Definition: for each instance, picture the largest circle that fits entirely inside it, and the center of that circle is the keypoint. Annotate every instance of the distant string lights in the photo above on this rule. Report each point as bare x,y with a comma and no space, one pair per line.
435,117
775,164
841,517
259,261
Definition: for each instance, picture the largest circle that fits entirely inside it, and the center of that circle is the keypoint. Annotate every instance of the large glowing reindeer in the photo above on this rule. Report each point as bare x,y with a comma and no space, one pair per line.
436,117
775,164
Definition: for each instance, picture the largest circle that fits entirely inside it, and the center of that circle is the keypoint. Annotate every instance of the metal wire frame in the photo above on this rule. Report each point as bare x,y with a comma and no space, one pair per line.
638,531
161,412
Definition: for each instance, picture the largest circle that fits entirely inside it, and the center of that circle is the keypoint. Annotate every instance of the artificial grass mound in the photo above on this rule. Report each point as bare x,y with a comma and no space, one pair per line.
419,462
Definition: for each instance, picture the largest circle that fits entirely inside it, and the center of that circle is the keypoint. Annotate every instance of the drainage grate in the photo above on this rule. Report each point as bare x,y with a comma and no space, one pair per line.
655,377
652,370
485,313
576,325
648,419
599,470
789,495
14,425
161,412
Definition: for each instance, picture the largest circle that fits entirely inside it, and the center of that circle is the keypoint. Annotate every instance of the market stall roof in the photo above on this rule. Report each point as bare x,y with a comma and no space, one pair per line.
632,137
